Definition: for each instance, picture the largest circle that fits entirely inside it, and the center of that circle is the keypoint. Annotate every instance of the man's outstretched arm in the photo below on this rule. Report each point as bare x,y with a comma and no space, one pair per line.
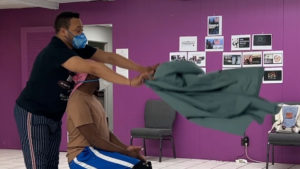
77,64
118,60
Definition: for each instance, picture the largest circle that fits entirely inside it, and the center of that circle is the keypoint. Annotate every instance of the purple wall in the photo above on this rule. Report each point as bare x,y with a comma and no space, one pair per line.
151,29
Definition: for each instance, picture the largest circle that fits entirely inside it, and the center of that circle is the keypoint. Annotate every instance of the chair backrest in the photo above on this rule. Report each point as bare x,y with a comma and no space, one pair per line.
159,114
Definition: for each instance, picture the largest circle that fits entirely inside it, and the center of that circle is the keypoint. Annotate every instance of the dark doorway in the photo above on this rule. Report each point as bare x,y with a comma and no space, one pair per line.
99,45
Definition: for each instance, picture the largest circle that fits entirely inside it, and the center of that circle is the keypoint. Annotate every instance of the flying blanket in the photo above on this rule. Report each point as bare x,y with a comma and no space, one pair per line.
225,100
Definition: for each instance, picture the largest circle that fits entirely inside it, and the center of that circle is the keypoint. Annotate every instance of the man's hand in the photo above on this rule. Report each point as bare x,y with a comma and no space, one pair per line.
135,151
139,80
150,69
134,148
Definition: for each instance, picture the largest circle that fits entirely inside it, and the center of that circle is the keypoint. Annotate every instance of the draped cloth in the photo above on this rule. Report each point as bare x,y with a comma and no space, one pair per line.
226,100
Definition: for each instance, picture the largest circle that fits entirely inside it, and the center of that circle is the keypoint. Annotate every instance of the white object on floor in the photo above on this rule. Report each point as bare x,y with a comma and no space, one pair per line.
241,161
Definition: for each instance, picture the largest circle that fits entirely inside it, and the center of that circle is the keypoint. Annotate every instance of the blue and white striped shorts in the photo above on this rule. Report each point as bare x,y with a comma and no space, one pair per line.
92,158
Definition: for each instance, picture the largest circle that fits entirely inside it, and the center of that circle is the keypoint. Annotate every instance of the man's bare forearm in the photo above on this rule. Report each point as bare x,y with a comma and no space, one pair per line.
90,132
114,139
126,63
99,69
117,60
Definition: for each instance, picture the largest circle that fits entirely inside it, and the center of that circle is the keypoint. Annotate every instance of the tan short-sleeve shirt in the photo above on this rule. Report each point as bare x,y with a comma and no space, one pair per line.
83,109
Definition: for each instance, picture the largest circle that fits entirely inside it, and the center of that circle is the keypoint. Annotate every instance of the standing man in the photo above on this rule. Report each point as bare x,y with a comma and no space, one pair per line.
42,103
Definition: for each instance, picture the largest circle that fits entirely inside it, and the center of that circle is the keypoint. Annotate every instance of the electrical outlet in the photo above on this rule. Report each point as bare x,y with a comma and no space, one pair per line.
244,141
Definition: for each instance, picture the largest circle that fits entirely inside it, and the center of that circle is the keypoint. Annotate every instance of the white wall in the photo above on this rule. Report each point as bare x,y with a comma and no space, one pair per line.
103,33
99,33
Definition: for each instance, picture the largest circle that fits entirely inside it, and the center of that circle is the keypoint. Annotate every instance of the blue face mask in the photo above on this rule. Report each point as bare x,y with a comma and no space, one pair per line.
79,41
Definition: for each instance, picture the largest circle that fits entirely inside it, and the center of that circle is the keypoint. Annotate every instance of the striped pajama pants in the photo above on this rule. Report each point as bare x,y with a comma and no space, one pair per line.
40,139
92,158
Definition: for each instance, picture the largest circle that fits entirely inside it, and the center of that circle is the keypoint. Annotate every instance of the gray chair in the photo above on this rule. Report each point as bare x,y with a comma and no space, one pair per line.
281,139
159,118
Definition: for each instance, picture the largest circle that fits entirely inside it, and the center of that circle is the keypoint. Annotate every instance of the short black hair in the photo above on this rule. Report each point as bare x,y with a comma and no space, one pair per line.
63,20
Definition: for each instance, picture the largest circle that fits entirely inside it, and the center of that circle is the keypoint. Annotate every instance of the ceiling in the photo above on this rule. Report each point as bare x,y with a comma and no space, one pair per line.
49,4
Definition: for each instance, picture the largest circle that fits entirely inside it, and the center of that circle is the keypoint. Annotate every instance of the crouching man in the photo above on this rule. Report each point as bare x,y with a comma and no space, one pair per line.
91,144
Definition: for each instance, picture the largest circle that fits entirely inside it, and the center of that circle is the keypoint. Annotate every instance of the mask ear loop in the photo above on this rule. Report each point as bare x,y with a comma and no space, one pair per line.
87,81
71,33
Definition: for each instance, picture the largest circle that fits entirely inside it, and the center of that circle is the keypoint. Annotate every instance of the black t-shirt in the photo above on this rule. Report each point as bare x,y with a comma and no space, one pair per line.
43,95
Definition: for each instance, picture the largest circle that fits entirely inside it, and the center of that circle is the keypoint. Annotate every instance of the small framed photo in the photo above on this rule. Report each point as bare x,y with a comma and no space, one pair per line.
273,58
273,75
240,42
232,59
230,68
261,41
252,59
199,58
214,43
188,43
178,56
214,25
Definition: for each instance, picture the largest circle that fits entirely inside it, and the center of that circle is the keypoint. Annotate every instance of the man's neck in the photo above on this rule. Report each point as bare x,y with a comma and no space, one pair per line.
64,41
87,88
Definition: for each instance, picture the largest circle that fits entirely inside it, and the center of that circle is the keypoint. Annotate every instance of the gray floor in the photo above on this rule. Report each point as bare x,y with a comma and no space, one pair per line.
13,159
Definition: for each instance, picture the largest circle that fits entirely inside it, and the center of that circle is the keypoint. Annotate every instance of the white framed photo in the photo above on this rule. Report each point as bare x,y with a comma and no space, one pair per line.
214,43
214,25
273,58
230,68
261,41
273,75
178,56
125,53
188,43
199,58
232,59
240,42
252,59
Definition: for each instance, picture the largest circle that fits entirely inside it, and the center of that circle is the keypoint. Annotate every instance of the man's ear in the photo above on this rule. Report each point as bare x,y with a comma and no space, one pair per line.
63,31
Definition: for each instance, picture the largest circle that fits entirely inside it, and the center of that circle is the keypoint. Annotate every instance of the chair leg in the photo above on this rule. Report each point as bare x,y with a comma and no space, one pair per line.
267,160
272,154
144,142
173,146
160,149
131,139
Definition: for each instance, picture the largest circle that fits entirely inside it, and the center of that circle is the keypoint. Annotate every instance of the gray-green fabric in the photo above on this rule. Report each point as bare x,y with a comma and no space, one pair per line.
225,100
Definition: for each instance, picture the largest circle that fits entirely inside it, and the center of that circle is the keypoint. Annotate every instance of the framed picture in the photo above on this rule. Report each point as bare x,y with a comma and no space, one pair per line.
229,68
232,59
214,25
240,42
188,43
198,58
125,53
252,59
273,75
273,58
178,56
214,43
261,41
